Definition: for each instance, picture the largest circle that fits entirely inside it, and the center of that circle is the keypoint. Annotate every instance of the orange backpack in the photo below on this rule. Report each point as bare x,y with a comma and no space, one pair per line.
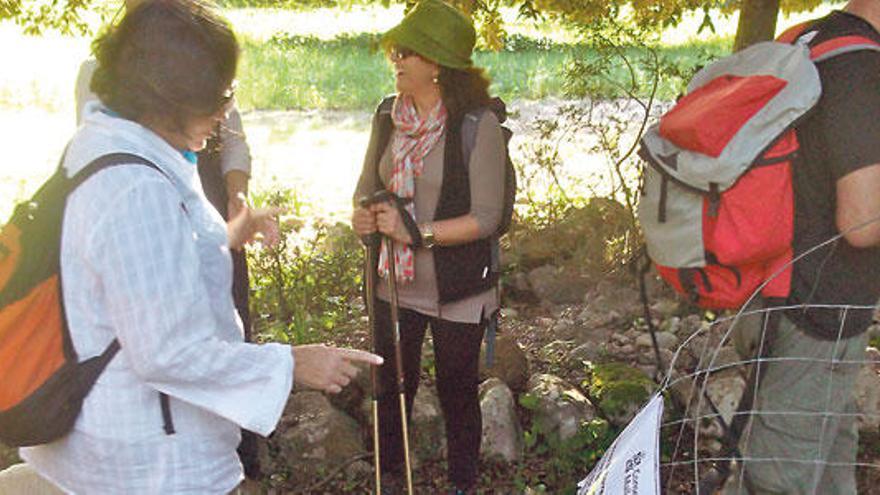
44,383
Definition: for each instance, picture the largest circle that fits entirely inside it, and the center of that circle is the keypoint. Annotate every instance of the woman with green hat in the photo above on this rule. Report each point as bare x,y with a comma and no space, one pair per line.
448,204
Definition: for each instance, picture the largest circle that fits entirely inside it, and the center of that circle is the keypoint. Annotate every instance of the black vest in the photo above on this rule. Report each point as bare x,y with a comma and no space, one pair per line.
463,270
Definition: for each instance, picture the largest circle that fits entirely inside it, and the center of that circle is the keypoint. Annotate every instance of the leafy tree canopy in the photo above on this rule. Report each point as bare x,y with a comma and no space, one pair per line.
65,15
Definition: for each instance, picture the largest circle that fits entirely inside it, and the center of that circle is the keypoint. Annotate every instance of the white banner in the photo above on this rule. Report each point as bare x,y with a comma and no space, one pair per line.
631,466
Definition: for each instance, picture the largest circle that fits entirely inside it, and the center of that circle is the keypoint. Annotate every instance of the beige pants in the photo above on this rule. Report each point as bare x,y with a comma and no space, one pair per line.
20,479
803,437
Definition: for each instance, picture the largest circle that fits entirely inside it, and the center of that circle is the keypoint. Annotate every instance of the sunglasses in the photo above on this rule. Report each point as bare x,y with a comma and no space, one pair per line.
226,99
399,53
227,96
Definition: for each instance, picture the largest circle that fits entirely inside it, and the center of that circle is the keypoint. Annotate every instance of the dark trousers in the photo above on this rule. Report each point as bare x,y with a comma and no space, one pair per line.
457,353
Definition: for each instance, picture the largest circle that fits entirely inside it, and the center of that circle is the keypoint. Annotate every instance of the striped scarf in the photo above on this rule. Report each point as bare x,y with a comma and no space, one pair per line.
414,139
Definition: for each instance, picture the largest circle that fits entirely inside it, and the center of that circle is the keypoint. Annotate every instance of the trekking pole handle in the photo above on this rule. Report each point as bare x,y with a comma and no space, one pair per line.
381,196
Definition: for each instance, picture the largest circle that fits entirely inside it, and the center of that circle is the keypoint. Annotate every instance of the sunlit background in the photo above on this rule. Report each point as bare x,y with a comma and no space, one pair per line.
316,149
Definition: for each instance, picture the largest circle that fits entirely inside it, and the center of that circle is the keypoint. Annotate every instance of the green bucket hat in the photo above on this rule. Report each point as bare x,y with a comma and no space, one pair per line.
437,31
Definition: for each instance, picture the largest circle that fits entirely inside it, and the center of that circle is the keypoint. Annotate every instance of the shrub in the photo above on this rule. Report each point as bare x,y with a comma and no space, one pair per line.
309,283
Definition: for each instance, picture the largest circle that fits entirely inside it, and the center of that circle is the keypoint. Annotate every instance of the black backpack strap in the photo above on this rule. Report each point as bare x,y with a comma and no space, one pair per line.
111,160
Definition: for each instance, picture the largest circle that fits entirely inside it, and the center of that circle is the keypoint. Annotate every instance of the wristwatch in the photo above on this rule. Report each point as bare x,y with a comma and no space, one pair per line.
427,233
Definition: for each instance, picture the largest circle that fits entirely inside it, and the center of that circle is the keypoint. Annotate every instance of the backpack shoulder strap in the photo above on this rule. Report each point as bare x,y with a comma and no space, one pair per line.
804,33
791,34
111,160
383,125
471,122
386,105
841,45
469,125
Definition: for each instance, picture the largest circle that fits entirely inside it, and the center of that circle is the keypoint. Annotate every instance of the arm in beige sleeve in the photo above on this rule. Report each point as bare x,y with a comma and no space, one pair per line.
486,172
235,154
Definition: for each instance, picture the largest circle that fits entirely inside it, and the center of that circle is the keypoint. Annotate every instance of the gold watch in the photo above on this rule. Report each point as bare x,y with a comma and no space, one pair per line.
427,233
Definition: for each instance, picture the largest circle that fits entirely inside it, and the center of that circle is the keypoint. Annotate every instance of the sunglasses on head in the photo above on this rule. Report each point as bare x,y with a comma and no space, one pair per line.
399,53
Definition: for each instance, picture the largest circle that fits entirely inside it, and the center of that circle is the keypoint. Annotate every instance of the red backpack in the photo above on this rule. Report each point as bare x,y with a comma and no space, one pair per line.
717,204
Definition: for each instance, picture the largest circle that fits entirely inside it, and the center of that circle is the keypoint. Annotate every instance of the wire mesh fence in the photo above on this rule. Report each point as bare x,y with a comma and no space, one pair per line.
754,403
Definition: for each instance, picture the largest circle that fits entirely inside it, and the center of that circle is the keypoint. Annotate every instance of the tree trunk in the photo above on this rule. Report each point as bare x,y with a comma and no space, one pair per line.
757,22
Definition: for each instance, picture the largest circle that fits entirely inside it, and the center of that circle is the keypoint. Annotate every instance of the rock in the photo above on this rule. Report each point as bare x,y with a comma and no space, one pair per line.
509,313
626,350
313,437
672,325
682,389
545,323
872,355
690,324
351,398
647,356
726,358
521,282
620,391
502,433
428,432
557,286
725,390
665,340
664,308
591,335
359,470
562,329
614,301
589,352
867,392
511,364
559,408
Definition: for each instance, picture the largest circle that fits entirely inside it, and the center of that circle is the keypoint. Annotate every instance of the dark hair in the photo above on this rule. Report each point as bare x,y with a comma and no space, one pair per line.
463,90
168,59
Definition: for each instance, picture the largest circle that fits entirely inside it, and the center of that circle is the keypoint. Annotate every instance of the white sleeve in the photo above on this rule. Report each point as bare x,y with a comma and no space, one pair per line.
146,257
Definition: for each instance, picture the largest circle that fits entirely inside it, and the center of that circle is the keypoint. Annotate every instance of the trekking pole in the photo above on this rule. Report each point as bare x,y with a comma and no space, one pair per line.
398,357
370,257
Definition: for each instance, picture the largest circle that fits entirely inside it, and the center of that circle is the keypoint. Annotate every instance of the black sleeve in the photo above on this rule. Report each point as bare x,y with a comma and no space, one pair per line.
849,111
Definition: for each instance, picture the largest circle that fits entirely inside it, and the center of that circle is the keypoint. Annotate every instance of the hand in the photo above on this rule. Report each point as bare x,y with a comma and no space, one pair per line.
328,368
236,190
388,222
363,221
251,222
234,206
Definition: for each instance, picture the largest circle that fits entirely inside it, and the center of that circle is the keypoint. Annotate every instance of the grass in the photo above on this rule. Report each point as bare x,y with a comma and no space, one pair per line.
350,72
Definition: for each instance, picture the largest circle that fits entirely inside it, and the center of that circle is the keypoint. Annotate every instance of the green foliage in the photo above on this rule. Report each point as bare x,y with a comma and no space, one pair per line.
309,284
567,460
291,4
875,342
618,388
622,80
350,72
36,16
305,72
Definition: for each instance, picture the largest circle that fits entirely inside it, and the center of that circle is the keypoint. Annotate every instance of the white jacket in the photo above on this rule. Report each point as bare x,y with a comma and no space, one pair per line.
146,260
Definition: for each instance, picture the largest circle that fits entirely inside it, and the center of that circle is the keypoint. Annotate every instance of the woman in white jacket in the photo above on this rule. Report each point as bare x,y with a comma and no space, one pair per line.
145,260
